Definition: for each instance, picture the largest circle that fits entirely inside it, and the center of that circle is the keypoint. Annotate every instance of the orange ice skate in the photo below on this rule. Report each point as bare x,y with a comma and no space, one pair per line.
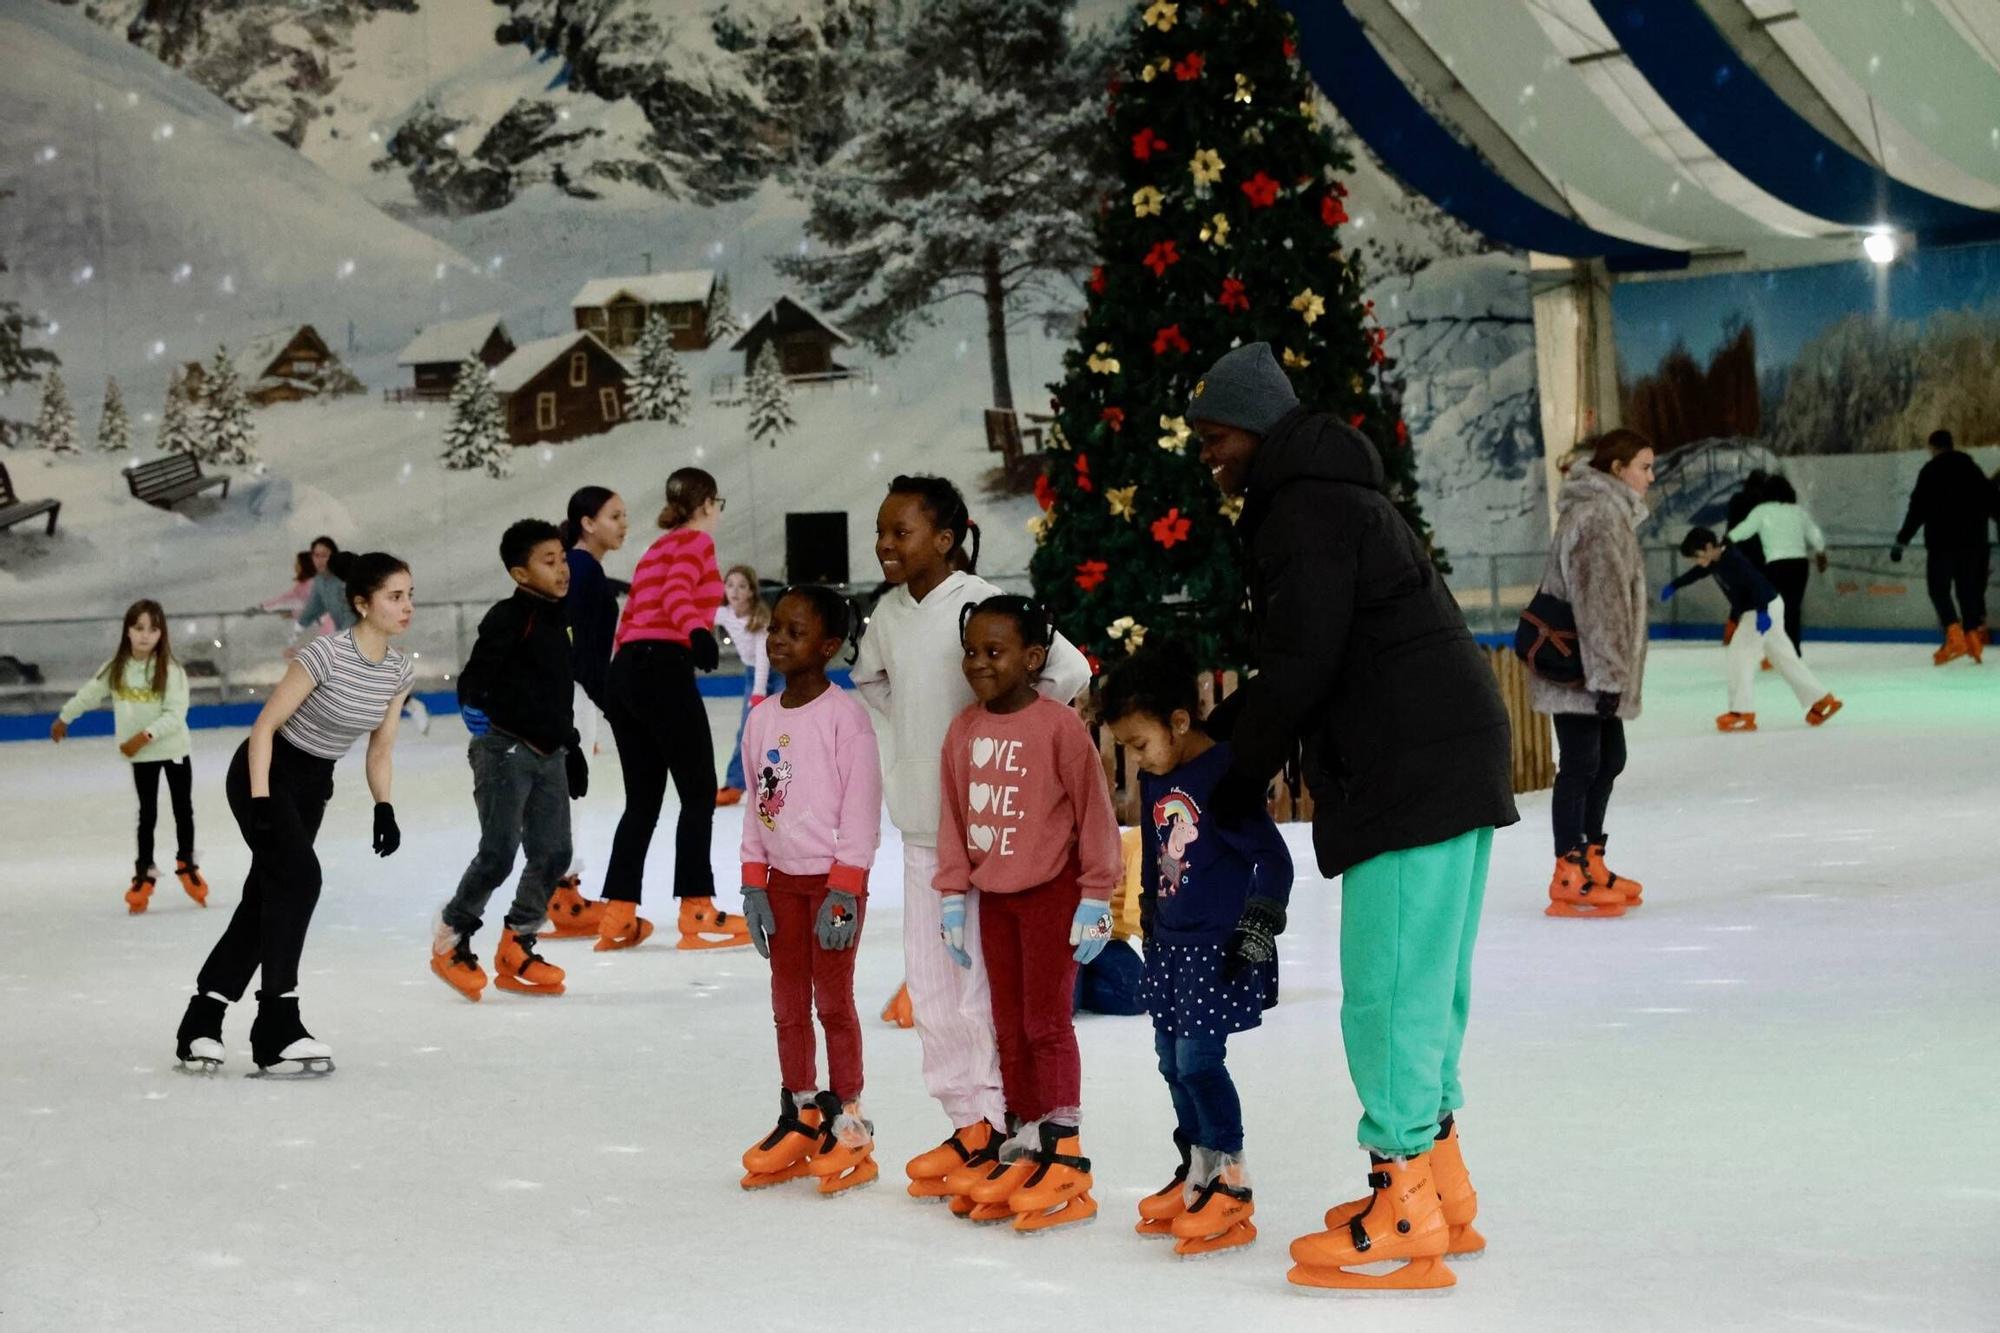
1955,645
845,1158
991,1193
1572,893
1218,1215
140,895
621,927
704,926
1401,1223
1605,880
517,967
1821,711
1158,1210
786,1152
1455,1193
454,963
1056,1192
1975,643
192,883
898,1011
728,796
1736,722
572,915
977,1147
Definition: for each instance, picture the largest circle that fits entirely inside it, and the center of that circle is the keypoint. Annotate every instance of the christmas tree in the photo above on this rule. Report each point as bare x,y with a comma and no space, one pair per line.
770,398
55,426
224,434
477,433
660,388
722,322
114,428
19,363
178,417
1225,230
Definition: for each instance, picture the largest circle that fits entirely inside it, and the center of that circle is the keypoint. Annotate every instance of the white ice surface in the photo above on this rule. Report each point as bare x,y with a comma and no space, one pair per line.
1761,1102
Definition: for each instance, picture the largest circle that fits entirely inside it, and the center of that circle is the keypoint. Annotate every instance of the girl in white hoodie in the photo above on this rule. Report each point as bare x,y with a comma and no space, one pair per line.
148,692
909,672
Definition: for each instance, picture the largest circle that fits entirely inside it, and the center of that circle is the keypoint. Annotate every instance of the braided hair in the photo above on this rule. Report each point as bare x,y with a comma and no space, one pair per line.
945,506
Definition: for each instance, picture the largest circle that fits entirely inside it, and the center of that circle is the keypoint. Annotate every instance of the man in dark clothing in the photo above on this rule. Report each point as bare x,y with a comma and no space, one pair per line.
1952,502
516,693
1363,657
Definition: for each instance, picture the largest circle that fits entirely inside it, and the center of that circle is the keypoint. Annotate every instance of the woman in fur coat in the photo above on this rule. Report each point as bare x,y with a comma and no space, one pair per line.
1596,566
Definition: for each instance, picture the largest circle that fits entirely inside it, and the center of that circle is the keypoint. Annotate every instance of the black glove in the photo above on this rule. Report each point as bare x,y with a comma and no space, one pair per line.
707,654
578,769
1896,554
387,836
1238,797
1607,703
1254,942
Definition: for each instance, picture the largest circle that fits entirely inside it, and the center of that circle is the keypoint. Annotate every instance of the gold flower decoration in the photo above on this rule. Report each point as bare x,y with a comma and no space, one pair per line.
1231,507
1310,305
1245,90
1161,14
1176,436
1039,525
1205,166
1102,362
1127,631
1293,361
1121,498
1216,230
1146,202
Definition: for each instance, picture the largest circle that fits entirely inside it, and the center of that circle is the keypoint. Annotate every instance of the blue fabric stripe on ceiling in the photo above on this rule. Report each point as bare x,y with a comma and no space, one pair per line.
1699,74
1412,144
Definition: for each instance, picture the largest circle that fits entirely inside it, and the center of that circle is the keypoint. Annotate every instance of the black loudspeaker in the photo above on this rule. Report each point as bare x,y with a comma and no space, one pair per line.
816,548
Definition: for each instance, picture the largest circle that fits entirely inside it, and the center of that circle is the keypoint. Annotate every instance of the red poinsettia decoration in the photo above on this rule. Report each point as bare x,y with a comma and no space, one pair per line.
1171,528
1261,190
1114,417
1356,420
1189,67
1376,352
1083,481
1340,188
1091,573
1097,279
1233,296
1045,494
1291,48
1168,340
1163,256
1402,432
1331,211
1096,665
1146,143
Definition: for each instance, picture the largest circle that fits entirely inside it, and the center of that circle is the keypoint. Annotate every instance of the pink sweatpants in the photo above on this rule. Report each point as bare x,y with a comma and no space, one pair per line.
952,1005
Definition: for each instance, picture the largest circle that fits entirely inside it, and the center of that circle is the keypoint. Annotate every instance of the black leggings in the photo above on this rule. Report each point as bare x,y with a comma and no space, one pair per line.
1962,569
268,929
1591,755
656,712
1789,578
180,790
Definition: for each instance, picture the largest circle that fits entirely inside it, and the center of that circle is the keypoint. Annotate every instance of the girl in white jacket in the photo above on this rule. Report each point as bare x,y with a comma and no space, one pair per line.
909,672
1789,536
148,692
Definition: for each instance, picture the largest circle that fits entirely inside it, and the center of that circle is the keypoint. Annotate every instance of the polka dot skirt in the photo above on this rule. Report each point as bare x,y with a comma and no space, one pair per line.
1188,996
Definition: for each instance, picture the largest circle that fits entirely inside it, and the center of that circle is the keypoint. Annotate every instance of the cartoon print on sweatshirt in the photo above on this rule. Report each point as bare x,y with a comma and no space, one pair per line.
774,779
1177,824
995,808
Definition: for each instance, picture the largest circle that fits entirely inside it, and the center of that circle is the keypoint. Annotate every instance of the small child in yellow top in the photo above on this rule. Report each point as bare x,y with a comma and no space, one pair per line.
148,693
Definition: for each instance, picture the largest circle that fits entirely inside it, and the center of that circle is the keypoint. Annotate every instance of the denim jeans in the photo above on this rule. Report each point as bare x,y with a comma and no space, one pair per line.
734,778
523,801
1205,1101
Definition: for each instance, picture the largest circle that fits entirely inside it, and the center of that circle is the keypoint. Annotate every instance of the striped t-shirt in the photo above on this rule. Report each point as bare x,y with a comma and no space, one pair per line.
351,695
675,590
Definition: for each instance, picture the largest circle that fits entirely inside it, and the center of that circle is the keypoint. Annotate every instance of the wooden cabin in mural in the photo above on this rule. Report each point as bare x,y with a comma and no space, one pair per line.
616,309
806,341
435,354
281,365
561,388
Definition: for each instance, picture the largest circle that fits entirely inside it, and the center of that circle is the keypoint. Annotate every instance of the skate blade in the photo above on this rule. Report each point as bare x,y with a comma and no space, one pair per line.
1418,1277
1580,912
1465,1243
692,942
318,1066
1155,1226
644,933
1073,1211
986,1214
763,1180
930,1188
1236,1237
960,1206
1193,1226
578,931
862,1175
527,988
196,1066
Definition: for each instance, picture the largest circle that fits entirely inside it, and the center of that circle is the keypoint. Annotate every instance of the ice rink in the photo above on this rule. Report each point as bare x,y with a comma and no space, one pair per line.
1760,1102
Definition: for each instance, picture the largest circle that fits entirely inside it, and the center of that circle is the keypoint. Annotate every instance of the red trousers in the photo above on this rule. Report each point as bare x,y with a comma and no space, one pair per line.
1031,968
803,976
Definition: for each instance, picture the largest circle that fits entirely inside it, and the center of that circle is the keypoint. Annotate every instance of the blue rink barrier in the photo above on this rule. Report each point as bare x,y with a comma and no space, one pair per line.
204,717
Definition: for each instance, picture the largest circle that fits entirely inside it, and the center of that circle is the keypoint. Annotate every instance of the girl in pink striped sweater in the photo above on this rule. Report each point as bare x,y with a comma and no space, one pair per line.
666,634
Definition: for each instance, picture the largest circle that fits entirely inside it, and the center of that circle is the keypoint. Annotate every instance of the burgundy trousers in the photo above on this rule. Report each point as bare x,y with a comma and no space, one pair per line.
805,976
1031,968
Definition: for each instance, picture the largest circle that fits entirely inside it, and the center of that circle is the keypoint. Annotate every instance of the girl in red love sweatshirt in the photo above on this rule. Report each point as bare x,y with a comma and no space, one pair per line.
1027,819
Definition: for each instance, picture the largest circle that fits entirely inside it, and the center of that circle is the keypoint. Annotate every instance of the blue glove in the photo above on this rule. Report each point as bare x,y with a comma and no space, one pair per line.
1763,621
1090,928
952,929
475,721
1667,593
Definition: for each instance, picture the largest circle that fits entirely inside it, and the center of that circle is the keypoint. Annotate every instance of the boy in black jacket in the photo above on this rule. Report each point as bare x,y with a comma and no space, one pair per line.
516,693
1754,606
1953,503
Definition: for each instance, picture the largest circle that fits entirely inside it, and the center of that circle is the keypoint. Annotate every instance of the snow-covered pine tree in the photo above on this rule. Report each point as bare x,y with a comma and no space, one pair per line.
114,428
722,321
179,433
770,398
975,173
660,386
55,426
19,363
476,436
225,434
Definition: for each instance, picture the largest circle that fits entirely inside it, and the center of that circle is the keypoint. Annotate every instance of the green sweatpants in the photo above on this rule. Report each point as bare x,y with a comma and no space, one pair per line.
1407,923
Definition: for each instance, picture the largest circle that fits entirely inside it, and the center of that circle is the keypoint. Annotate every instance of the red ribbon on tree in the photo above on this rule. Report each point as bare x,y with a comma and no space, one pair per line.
1045,494
1114,417
1291,49
1163,256
1171,528
1091,573
1402,431
1189,67
1097,279
1233,296
1168,340
1146,143
1331,211
1376,353
1083,481
1261,190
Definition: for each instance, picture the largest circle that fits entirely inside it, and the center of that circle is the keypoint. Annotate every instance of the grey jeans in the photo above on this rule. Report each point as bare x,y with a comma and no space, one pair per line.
523,801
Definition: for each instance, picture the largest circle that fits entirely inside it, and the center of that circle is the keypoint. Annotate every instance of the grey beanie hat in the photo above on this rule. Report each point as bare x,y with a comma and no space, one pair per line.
1246,388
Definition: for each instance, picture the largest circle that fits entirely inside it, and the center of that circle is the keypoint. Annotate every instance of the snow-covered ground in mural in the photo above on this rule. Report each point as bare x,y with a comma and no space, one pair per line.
1707,1115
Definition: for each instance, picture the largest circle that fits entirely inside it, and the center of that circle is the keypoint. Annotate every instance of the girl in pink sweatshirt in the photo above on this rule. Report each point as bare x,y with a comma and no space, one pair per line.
810,827
1027,820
